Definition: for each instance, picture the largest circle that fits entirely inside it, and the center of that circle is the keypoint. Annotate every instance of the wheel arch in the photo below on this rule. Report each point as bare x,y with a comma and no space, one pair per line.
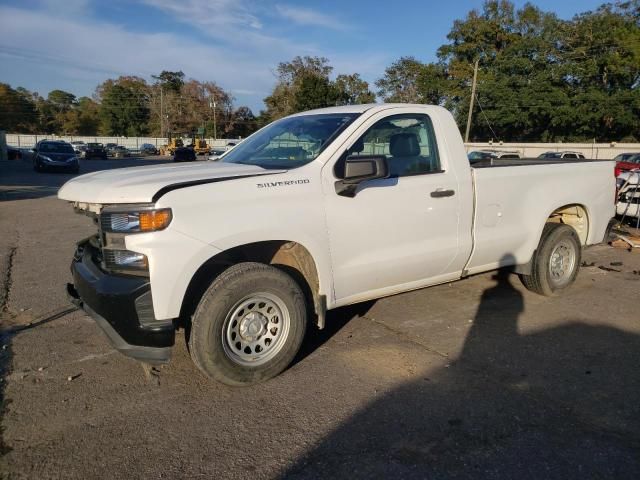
290,256
575,215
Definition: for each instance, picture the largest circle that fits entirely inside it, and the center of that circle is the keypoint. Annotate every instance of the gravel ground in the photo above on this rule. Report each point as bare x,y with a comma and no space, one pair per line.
477,379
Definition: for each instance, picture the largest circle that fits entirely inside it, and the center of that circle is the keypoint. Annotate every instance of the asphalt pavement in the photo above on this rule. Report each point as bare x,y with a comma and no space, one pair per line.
476,379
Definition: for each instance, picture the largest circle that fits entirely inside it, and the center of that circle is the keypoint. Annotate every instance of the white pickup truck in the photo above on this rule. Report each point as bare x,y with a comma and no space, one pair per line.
315,211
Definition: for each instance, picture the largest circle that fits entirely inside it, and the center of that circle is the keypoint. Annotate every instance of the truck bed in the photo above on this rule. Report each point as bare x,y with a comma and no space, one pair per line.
512,204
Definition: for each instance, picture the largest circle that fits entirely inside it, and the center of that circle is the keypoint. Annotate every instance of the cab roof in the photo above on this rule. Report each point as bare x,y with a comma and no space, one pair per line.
362,108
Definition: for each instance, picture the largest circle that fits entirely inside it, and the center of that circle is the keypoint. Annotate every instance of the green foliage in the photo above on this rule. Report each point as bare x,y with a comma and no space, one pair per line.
304,83
124,109
540,78
170,81
352,90
410,81
61,100
314,91
18,111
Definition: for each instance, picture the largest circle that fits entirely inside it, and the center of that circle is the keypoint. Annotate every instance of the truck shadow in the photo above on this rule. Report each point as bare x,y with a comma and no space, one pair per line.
557,403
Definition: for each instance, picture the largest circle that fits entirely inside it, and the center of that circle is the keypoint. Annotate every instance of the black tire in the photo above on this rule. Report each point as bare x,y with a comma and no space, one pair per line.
541,280
209,341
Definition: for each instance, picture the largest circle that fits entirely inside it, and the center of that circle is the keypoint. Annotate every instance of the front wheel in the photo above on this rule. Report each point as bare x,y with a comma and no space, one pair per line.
249,325
556,263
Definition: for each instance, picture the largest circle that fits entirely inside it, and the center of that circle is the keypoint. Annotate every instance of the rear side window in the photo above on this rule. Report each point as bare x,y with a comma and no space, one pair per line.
407,141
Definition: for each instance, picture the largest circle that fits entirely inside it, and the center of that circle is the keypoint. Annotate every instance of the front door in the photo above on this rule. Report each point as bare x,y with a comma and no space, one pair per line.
400,232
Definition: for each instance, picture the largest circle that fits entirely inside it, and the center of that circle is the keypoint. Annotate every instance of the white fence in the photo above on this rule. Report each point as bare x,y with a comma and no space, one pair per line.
28,141
596,151
603,151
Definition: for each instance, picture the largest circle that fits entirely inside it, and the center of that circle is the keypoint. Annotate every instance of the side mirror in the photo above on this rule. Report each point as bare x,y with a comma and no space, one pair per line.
359,169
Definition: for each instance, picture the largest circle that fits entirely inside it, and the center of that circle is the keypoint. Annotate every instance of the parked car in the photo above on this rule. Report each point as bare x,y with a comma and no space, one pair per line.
55,155
79,146
13,153
626,162
95,150
216,153
479,155
148,149
254,248
560,155
628,176
119,151
184,154
628,203
109,148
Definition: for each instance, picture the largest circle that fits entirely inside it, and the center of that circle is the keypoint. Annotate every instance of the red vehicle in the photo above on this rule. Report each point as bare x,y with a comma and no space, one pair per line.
626,162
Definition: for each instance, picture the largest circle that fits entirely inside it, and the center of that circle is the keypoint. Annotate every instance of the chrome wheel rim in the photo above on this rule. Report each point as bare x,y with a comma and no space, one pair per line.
256,329
562,262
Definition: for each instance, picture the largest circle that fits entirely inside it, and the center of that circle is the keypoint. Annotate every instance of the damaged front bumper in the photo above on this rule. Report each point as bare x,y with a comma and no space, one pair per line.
122,306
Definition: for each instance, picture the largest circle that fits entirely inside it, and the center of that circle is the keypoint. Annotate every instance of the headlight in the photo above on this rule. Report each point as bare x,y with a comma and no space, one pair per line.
136,221
125,260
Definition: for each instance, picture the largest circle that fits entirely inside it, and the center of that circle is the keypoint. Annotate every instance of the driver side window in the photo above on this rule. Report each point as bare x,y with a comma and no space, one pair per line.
407,141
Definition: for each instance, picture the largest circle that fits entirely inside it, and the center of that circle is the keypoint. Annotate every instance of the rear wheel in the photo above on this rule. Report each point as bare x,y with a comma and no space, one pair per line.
249,325
556,262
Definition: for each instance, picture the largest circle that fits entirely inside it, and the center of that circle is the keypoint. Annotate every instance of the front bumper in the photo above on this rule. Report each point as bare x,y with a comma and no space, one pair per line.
122,307
59,165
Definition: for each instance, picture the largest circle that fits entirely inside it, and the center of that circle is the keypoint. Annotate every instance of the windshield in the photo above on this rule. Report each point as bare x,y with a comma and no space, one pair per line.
623,157
56,148
290,142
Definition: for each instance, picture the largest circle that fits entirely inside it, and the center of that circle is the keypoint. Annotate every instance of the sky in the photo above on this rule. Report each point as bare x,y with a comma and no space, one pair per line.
74,45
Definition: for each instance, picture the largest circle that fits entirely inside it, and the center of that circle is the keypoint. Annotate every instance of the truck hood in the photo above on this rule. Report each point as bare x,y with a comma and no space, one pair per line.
142,184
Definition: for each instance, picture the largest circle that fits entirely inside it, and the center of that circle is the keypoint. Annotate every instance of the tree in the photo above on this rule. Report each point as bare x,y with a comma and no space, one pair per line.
314,91
59,112
84,119
285,99
352,90
244,123
410,81
60,100
124,106
170,81
400,81
540,78
17,110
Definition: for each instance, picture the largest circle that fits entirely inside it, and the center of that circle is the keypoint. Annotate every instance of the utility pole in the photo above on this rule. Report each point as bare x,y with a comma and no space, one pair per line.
161,115
473,96
212,105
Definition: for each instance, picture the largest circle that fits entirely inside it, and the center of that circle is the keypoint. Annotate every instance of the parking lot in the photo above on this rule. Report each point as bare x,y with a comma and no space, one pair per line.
477,379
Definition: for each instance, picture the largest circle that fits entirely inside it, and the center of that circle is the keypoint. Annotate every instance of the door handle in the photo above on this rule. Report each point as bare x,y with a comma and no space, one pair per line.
440,193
